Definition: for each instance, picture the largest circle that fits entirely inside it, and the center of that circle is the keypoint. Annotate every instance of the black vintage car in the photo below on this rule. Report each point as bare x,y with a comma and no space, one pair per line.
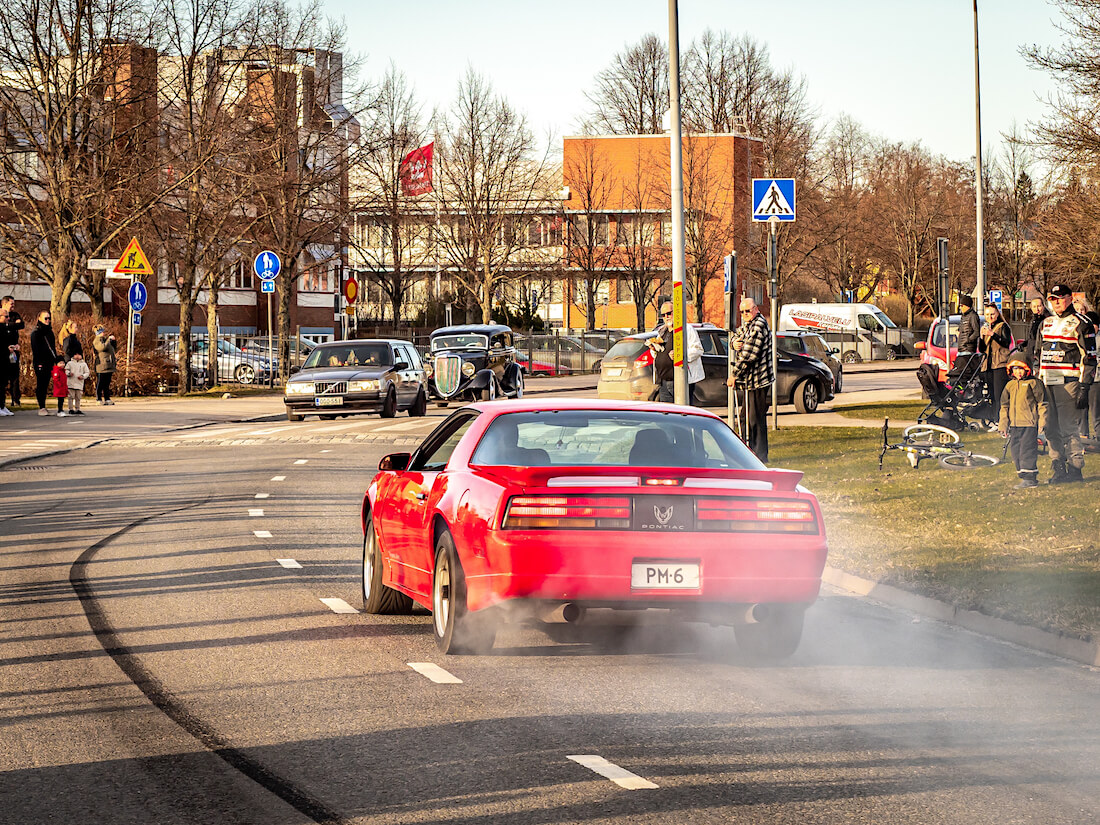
475,362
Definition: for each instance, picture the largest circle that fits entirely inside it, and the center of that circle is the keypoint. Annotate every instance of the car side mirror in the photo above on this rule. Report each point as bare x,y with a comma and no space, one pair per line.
293,370
395,462
834,351
919,345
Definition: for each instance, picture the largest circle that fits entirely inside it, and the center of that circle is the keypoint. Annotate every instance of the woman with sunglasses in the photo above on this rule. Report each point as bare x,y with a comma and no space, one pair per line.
43,358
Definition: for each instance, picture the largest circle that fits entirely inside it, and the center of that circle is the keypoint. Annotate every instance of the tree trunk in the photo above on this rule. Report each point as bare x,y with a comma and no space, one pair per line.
284,287
212,334
183,347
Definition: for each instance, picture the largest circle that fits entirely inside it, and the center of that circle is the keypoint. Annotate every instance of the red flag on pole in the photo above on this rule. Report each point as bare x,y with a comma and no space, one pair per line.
416,171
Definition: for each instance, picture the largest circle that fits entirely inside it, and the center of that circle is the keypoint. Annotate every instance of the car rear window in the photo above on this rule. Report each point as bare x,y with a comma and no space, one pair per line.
626,348
611,438
789,343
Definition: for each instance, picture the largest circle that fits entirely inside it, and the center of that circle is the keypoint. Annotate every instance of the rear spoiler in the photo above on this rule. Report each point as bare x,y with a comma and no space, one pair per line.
780,480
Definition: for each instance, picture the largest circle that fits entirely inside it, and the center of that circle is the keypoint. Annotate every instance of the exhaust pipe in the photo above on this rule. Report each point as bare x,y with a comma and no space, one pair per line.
568,613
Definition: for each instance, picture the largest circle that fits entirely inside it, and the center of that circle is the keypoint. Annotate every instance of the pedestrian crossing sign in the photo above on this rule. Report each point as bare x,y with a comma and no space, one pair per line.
773,198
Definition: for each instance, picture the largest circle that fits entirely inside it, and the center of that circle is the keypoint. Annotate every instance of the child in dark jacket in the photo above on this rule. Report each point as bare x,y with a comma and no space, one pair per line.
1023,415
60,385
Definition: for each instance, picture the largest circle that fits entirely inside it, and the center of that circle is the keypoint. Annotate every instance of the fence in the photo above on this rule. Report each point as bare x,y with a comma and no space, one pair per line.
241,359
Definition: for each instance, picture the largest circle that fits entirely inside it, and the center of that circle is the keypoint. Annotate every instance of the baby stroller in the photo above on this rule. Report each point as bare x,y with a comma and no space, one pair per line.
960,403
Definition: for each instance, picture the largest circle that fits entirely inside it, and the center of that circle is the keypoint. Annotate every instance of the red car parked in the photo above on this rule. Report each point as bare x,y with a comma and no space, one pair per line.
569,504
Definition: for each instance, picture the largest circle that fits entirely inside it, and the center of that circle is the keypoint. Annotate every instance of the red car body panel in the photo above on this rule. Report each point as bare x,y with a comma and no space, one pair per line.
585,565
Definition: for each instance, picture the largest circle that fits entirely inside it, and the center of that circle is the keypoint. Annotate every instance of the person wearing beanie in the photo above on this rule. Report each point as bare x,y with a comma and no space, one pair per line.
970,326
1067,366
1023,414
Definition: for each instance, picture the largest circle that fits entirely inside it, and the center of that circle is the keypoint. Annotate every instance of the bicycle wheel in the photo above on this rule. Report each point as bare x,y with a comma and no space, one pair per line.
967,461
929,434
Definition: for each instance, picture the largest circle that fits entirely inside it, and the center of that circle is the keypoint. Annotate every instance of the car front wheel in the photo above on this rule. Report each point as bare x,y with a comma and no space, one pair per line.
519,386
245,374
377,597
389,406
456,630
292,416
807,396
490,392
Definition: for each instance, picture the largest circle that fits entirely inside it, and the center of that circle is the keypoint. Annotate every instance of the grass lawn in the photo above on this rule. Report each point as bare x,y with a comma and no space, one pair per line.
894,410
963,536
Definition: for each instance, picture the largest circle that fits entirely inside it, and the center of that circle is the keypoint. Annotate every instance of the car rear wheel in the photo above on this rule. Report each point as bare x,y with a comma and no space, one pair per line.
807,396
377,597
490,392
420,405
519,386
245,374
456,629
838,383
293,416
389,406
776,637
852,357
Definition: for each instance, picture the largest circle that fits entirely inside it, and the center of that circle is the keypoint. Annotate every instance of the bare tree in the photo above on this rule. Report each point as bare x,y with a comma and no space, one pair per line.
491,187
391,232
1068,232
726,80
589,249
76,108
645,258
630,97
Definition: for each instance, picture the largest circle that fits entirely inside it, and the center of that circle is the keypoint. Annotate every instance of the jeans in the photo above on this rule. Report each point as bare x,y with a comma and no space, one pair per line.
103,386
1024,443
756,410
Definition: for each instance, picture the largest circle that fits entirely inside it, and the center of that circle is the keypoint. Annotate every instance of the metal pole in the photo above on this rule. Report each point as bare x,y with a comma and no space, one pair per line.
773,293
270,347
679,303
129,340
979,299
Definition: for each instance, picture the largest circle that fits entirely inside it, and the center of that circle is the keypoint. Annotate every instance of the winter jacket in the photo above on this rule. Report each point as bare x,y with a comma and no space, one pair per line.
71,346
1035,338
105,360
970,330
60,382
752,368
78,373
1068,350
997,346
1023,404
43,347
664,368
9,336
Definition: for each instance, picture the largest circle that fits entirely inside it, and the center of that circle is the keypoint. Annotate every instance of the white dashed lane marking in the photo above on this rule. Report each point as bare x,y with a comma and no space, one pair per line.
255,512
301,461
263,495
435,673
261,534
338,606
290,564
278,478
620,776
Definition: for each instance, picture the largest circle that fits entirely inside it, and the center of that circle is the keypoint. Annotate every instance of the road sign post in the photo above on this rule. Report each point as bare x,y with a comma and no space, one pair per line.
132,264
267,266
773,200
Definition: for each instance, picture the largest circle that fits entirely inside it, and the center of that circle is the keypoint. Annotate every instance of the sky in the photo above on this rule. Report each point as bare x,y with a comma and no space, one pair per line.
904,69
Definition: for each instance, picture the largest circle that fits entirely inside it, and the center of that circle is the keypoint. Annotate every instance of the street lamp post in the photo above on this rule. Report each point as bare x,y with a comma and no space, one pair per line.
979,242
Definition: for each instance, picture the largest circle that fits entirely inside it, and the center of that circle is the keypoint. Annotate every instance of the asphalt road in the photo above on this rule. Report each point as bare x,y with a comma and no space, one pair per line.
158,663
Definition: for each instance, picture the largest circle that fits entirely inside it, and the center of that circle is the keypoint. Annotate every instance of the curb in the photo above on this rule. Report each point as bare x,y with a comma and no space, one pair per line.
1056,644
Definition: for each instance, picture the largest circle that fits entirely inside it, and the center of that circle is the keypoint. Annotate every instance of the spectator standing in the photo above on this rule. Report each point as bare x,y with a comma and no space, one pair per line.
970,326
1024,412
43,358
752,372
1091,418
9,359
1035,332
60,385
76,370
15,324
664,370
70,340
105,363
996,344
1067,367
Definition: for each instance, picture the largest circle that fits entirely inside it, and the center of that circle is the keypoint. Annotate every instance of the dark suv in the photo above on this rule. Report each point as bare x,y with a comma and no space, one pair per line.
475,362
627,373
813,345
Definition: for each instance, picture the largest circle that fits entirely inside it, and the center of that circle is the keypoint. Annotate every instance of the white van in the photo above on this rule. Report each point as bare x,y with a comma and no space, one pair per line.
863,332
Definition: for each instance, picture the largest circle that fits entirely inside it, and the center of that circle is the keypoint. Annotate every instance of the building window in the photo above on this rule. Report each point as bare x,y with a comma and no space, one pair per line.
167,273
598,234
316,279
241,275
624,231
623,293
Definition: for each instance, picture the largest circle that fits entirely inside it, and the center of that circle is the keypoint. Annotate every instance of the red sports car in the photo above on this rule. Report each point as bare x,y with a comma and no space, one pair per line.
573,504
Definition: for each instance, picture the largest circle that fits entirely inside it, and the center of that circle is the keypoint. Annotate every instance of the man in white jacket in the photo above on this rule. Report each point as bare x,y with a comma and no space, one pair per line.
664,371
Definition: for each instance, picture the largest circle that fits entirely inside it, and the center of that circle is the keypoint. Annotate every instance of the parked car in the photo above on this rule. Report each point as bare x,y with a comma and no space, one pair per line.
373,376
933,350
813,345
234,364
540,368
483,523
627,372
575,354
473,362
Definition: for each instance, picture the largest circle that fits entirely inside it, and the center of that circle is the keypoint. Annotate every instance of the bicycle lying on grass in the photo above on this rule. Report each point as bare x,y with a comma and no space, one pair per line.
922,441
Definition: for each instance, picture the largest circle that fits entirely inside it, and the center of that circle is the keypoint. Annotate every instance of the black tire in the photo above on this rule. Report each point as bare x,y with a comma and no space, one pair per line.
852,357
456,630
838,382
968,461
389,406
807,396
891,354
244,374
776,637
519,387
420,405
377,597
293,416
490,392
